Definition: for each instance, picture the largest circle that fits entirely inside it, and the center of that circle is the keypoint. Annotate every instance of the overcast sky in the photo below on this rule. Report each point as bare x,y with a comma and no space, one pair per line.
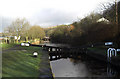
47,12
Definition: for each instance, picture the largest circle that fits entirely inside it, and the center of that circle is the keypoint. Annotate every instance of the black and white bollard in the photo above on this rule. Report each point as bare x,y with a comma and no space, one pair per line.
35,54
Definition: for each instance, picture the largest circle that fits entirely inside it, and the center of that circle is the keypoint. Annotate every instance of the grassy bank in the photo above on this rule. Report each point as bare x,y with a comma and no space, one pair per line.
101,54
98,50
20,63
102,50
7,46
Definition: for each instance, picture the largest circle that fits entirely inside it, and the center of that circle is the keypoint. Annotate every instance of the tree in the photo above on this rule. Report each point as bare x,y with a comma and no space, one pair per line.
110,12
25,31
18,28
48,31
113,15
88,20
8,31
60,34
88,30
36,32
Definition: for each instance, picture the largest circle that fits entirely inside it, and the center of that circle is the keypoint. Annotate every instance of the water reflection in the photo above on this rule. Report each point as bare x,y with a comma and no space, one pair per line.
111,72
65,68
82,67
56,45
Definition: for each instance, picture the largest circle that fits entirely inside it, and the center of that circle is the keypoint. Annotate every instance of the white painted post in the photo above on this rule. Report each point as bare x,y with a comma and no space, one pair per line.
114,51
110,53
53,49
57,49
49,49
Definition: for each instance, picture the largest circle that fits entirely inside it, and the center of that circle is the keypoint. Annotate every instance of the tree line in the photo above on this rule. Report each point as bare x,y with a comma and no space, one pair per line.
88,30
22,29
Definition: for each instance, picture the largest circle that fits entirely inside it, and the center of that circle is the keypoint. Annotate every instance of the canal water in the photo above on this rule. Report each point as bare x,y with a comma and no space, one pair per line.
56,45
84,66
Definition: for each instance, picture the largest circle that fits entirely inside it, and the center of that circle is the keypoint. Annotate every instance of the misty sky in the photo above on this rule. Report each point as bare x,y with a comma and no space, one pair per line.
47,12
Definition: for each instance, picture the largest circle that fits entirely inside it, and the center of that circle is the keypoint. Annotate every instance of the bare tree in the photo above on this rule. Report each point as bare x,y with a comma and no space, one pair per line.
18,28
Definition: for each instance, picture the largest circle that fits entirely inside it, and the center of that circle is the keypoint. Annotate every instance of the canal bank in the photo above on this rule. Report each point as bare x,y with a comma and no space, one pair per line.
101,54
74,67
85,66
45,68
98,52
19,61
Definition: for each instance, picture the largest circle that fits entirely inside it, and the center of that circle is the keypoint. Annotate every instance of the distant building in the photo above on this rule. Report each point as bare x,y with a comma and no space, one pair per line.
103,20
8,39
0,34
46,39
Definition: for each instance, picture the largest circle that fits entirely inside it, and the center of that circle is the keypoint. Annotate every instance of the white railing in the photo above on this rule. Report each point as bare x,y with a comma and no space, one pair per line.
111,52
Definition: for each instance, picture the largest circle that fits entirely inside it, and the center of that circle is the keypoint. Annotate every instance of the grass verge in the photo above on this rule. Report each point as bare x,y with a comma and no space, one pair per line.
21,63
7,46
98,50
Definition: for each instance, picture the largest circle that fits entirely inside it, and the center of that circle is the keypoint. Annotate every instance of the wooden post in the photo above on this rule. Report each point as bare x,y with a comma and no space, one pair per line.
116,13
